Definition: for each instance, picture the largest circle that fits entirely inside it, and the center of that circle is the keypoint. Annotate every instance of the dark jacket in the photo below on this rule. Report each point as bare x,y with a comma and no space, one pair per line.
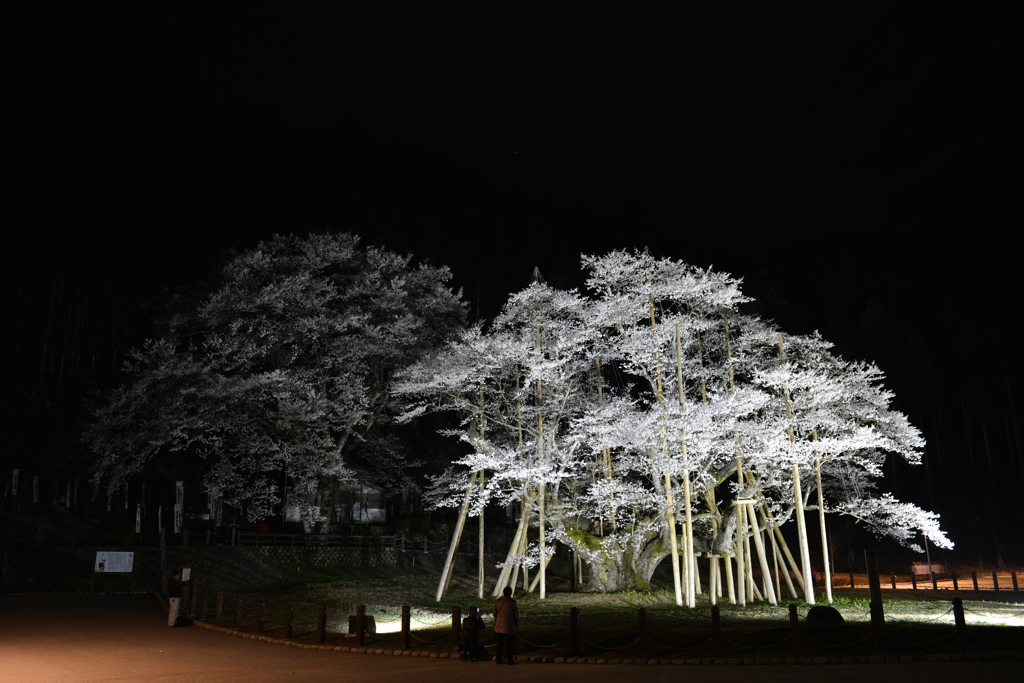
173,588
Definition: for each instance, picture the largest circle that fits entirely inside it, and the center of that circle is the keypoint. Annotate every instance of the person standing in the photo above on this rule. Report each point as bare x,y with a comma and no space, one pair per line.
506,625
173,597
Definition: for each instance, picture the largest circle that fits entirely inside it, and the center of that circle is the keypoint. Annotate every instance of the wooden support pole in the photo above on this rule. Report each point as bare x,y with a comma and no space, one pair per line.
361,625
513,550
574,632
446,573
794,629
406,629
716,630
974,579
238,611
892,575
762,557
321,624
961,624
481,541
956,585
288,606
995,581
730,584
218,608
821,523
456,628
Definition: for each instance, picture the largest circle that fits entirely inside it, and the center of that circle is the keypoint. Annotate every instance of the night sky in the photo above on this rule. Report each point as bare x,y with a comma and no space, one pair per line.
853,164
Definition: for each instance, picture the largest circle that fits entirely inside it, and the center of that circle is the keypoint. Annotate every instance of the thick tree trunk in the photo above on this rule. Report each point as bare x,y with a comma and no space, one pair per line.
620,569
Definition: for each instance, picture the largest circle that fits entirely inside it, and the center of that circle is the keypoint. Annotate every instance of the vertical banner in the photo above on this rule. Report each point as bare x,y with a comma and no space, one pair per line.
220,510
126,495
138,518
179,493
177,518
160,518
35,489
211,501
14,482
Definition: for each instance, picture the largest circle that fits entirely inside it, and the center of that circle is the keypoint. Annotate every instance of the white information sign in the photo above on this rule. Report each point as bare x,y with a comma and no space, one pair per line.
114,563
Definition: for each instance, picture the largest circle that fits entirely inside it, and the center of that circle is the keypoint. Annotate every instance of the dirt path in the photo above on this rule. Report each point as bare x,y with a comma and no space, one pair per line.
87,639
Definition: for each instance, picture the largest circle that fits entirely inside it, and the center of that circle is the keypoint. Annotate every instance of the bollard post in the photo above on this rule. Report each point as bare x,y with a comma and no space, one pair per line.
261,603
1013,576
642,637
974,579
935,585
716,629
218,608
456,626
913,580
956,586
892,577
794,629
574,632
360,631
961,624
995,581
878,626
238,611
288,619
851,580
321,623
406,637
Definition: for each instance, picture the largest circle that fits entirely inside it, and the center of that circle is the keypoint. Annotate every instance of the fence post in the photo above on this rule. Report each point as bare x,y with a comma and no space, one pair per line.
956,586
1013,576
406,637
878,626
288,619
935,586
238,610
851,580
716,630
974,579
574,632
995,581
892,577
456,626
794,629
360,631
218,608
260,604
642,637
321,624
961,624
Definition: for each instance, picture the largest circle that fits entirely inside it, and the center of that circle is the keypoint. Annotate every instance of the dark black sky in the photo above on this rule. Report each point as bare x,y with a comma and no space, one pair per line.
853,163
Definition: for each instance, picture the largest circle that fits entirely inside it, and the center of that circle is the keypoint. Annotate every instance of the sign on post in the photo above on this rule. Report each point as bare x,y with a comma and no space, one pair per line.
114,562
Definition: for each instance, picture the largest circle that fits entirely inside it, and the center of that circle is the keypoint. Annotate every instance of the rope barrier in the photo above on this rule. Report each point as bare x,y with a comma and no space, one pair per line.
542,646
755,647
601,647
839,646
683,648
889,636
429,642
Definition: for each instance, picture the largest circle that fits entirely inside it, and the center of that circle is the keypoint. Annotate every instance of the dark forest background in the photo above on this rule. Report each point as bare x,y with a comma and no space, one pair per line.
853,165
